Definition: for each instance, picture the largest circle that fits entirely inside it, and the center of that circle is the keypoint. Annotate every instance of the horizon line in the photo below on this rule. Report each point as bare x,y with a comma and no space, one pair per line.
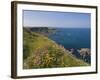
53,27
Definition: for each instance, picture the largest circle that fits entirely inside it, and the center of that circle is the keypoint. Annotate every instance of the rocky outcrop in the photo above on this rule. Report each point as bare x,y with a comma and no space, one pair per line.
83,53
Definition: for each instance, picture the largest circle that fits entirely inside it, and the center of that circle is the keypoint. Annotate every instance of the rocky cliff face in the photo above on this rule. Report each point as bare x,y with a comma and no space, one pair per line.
83,53
86,54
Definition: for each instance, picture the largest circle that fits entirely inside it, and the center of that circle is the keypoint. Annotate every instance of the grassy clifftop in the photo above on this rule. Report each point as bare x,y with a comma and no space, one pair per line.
41,52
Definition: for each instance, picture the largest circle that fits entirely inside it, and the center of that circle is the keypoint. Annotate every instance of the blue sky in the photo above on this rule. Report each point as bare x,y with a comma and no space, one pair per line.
56,19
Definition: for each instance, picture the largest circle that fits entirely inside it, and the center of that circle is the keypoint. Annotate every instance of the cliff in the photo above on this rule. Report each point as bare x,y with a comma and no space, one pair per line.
42,52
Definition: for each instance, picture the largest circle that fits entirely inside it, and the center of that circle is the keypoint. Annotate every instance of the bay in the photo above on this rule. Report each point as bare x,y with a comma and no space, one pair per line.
72,37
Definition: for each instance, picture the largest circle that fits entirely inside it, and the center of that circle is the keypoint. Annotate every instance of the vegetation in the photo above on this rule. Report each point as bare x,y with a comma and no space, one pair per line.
42,30
41,52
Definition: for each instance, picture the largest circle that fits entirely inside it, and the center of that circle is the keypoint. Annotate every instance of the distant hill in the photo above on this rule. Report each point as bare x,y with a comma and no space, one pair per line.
42,30
42,52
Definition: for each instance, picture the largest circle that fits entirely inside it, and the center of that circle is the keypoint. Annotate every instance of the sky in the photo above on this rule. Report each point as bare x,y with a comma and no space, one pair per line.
32,18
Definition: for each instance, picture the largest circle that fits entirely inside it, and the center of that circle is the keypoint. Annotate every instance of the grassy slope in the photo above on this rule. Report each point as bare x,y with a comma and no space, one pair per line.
41,52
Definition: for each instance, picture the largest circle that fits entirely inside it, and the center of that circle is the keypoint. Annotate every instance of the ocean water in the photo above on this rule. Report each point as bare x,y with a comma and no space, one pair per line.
72,37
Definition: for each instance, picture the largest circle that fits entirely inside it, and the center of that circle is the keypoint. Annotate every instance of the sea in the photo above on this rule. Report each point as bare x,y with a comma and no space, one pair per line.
72,37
